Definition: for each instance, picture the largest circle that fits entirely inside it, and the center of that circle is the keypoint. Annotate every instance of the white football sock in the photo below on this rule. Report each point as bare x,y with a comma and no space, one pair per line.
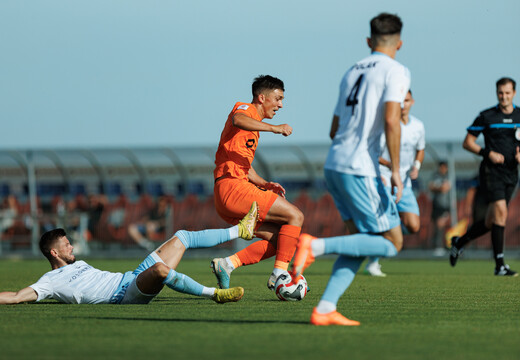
325,307
318,247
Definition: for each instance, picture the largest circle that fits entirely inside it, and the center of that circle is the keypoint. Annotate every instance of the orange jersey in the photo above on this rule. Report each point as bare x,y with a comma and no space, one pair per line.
237,147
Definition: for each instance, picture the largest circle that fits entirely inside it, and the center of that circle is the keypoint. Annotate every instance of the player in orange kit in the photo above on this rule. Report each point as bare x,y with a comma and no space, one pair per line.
237,184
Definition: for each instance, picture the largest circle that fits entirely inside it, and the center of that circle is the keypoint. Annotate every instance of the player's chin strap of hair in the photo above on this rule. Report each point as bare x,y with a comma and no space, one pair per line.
484,152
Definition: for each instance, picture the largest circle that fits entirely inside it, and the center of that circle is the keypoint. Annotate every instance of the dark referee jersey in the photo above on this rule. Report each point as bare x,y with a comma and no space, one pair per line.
501,134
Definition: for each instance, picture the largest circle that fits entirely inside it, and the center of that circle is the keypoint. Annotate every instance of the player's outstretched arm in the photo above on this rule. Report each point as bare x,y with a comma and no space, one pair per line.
245,122
24,295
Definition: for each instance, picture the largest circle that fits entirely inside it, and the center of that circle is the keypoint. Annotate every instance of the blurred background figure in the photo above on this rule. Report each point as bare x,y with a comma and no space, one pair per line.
8,213
151,226
440,187
96,205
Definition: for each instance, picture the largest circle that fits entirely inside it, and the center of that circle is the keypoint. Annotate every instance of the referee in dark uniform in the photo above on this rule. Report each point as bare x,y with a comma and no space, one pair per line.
498,174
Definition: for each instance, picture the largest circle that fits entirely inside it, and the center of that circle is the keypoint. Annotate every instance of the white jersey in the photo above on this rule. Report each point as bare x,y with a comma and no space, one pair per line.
364,90
412,140
78,283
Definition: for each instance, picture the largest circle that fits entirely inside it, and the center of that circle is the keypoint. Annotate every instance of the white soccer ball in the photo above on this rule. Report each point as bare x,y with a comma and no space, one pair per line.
286,290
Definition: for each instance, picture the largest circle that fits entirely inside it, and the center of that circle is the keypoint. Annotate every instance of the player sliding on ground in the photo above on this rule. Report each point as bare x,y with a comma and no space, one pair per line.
76,282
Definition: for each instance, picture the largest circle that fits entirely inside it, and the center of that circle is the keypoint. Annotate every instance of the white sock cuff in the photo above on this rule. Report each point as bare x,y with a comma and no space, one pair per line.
208,292
325,307
233,232
229,263
318,247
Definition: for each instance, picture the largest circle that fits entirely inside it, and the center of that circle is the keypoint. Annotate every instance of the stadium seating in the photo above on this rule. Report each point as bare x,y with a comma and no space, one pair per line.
194,212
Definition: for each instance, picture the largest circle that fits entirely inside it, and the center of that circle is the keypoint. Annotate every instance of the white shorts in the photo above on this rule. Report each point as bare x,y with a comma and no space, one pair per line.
134,296
364,200
127,291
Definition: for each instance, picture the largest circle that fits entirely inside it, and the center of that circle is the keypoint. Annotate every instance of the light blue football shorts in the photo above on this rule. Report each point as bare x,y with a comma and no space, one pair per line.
364,200
127,291
408,202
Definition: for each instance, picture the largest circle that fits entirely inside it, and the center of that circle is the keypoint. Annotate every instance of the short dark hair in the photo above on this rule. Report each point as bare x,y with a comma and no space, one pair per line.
266,82
385,24
506,80
48,240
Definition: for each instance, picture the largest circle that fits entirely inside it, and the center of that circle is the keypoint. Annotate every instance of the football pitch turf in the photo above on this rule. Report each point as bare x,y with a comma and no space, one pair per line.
422,310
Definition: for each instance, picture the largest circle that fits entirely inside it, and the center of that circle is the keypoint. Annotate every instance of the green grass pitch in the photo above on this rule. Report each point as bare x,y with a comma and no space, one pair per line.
422,310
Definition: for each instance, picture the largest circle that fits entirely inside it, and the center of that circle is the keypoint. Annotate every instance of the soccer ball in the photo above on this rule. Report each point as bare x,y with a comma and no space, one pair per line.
286,290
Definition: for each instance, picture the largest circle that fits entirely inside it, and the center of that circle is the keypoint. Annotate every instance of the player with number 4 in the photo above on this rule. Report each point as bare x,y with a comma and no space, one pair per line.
370,98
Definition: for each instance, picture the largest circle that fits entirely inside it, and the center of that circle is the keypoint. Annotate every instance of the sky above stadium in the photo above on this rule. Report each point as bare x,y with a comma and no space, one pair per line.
166,73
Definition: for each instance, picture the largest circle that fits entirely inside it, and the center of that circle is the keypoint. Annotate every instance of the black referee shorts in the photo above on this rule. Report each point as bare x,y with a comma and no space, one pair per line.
497,185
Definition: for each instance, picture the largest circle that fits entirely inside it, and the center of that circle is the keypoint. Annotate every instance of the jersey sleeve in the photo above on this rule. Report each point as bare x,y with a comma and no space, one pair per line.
245,109
43,288
477,127
397,84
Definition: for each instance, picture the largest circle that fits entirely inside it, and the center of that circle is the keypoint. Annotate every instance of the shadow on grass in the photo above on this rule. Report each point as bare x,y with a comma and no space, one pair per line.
242,321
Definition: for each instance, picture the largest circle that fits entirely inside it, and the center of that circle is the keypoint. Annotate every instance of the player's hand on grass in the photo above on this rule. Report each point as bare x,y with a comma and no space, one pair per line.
397,186
276,188
496,158
283,129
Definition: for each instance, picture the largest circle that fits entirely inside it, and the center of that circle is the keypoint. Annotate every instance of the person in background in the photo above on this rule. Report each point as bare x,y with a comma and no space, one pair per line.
498,175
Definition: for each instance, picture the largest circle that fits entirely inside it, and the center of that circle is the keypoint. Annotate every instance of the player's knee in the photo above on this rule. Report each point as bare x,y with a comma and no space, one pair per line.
413,226
160,270
295,217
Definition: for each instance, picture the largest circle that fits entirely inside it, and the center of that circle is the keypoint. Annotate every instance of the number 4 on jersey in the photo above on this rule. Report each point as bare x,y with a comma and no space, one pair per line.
352,99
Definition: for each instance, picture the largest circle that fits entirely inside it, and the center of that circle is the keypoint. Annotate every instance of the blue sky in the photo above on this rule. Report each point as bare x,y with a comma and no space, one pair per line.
153,73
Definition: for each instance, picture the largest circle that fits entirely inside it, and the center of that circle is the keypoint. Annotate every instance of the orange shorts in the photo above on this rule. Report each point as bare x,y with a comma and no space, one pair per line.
233,199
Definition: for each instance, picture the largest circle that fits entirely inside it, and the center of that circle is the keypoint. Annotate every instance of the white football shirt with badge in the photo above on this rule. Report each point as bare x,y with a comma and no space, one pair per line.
364,90
412,140
78,283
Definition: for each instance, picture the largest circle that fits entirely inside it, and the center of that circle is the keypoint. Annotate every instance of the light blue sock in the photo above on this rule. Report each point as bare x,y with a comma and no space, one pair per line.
357,245
372,259
182,283
204,238
343,273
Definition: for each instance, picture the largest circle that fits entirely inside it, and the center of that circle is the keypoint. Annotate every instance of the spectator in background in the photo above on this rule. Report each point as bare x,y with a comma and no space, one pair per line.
97,203
8,213
150,226
440,187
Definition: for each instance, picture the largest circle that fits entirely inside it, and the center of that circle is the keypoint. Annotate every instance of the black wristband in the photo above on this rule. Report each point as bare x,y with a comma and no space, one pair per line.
484,152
